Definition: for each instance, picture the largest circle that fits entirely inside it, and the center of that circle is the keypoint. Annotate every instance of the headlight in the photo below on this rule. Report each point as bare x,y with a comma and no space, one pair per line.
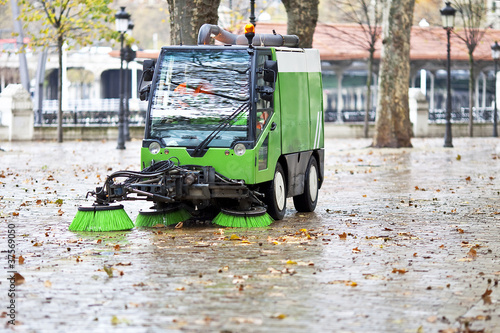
154,147
239,149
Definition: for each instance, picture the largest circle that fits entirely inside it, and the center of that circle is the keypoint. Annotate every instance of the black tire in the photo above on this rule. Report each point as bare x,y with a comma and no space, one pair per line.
306,202
275,194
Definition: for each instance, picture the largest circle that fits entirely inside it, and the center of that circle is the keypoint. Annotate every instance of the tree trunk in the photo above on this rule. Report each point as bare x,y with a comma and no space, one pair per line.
368,92
302,17
392,126
60,42
472,89
187,16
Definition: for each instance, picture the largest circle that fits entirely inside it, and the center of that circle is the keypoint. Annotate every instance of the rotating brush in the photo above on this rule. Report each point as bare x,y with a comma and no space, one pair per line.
256,217
101,218
165,216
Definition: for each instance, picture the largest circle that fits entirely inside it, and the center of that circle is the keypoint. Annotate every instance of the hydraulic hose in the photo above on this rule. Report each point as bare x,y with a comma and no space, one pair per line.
226,37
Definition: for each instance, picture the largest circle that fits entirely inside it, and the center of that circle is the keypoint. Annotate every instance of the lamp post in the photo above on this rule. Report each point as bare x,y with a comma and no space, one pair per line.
252,12
495,54
129,56
448,16
121,20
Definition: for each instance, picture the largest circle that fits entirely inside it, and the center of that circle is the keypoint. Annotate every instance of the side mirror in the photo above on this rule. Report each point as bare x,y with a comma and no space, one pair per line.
266,93
144,92
270,71
148,69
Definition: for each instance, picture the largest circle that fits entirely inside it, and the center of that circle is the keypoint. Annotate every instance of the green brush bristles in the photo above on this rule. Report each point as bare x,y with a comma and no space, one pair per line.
232,219
151,218
101,218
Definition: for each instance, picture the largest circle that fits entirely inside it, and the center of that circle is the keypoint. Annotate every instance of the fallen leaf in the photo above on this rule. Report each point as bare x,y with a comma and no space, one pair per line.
15,214
343,236
115,320
108,270
117,247
467,178
399,271
356,250
21,260
124,264
234,237
348,283
279,316
19,279
486,296
47,284
291,262
472,254
60,212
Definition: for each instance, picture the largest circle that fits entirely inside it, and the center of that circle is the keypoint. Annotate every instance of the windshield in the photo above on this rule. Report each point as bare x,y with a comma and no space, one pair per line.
198,90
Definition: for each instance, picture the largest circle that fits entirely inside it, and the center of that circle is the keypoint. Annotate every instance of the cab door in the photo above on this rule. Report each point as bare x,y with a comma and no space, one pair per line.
267,123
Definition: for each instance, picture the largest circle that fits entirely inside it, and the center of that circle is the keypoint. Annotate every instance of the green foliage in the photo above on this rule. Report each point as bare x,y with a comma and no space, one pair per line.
78,22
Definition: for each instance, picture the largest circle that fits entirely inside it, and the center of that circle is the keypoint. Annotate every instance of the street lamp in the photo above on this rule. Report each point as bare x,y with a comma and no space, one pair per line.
448,16
495,54
252,12
121,20
129,56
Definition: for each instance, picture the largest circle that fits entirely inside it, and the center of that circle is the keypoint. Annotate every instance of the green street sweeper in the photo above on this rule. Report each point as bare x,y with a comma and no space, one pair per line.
232,131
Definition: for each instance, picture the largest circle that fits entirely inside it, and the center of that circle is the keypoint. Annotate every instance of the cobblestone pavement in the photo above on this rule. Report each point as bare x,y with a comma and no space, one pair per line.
402,240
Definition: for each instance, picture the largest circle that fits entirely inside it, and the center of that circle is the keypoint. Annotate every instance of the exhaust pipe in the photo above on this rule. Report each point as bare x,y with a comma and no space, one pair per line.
228,38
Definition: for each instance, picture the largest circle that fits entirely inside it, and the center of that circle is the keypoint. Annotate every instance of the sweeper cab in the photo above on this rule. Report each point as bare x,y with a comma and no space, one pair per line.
232,131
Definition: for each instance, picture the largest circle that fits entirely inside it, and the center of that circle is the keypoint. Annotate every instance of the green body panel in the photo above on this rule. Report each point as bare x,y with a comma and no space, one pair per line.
316,136
294,121
231,166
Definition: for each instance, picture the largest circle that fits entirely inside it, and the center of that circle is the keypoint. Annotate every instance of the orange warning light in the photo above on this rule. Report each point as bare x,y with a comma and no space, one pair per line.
249,28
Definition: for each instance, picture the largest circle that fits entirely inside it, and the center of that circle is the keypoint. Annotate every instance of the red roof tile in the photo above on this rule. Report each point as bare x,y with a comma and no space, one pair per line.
338,42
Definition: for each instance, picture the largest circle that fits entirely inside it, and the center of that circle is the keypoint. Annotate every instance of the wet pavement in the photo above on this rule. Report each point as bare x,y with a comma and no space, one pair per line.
402,240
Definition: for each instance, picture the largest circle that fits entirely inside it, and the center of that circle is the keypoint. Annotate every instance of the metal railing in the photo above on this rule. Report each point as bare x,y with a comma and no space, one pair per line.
104,112
481,115
92,112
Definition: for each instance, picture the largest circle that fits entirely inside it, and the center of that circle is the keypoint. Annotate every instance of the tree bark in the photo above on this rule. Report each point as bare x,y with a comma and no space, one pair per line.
392,126
302,16
187,16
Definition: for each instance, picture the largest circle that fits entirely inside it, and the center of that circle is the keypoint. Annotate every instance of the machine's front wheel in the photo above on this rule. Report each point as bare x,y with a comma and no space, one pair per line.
275,194
306,202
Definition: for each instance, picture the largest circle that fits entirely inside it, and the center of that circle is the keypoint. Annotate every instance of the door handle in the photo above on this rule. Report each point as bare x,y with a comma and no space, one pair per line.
273,126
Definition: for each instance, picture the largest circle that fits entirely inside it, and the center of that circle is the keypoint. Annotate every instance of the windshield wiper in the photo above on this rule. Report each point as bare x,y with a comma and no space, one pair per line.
239,99
227,122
